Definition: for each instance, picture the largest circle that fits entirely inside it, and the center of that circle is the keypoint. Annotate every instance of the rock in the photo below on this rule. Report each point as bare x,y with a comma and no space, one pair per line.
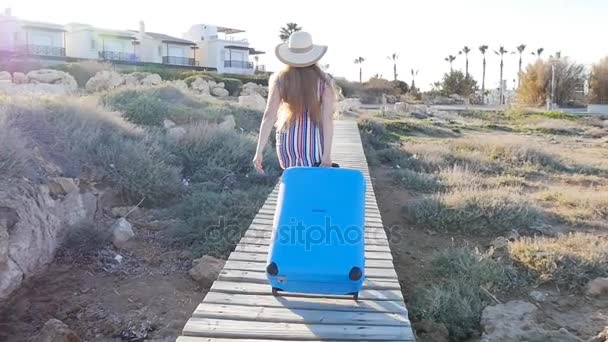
219,92
432,332
401,107
19,78
500,243
55,330
200,86
118,258
151,80
457,98
601,337
78,208
104,80
206,269
420,116
122,231
186,254
6,76
350,104
180,84
255,102
538,296
54,77
168,124
176,133
518,321
61,186
251,88
220,85
228,124
597,287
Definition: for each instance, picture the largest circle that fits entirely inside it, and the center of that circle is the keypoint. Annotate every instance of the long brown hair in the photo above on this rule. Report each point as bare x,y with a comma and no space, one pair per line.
299,89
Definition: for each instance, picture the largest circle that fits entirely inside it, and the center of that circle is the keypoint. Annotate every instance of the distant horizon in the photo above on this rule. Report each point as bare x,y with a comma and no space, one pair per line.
421,33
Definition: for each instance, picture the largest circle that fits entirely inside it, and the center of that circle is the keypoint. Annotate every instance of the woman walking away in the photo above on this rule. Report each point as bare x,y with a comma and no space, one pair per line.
301,103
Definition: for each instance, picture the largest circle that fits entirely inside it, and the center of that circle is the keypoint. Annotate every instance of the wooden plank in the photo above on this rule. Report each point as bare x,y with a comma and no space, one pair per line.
284,315
209,327
372,289
211,339
262,258
370,272
264,250
370,238
308,303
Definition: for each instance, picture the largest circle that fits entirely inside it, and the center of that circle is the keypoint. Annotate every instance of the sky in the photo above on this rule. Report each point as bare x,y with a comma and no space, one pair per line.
422,33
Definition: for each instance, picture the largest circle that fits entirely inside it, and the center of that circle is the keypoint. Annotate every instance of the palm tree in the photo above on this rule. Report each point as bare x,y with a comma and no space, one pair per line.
257,62
360,61
466,51
287,30
520,49
501,52
483,49
394,58
450,59
538,52
414,73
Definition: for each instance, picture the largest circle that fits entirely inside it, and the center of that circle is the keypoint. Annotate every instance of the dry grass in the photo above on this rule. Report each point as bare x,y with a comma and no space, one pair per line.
15,159
577,204
569,260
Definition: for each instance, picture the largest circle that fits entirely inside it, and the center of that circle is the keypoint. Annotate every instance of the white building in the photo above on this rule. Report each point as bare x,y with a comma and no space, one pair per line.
222,48
165,49
84,41
31,38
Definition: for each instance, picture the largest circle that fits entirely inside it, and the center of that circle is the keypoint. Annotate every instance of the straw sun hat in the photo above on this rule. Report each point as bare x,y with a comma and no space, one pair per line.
299,51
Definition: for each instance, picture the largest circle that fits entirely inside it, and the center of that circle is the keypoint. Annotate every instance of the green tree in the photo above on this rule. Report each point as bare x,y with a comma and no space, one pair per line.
414,73
598,83
360,61
466,51
520,49
450,59
456,82
394,58
287,30
501,52
483,49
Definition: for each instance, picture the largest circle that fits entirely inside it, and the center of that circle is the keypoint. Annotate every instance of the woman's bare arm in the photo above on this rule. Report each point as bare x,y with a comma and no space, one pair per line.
268,121
328,106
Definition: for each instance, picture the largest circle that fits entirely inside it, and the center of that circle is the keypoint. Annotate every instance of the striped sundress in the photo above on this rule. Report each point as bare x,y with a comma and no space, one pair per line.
301,144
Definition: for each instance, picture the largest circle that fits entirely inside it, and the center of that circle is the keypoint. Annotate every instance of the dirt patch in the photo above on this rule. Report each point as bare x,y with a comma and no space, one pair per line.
148,294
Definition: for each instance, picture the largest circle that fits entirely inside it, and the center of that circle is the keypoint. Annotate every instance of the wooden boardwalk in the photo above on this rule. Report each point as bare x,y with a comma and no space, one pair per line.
240,306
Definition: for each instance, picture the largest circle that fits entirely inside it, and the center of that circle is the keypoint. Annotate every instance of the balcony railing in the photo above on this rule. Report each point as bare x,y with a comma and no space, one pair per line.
179,61
238,64
118,56
43,50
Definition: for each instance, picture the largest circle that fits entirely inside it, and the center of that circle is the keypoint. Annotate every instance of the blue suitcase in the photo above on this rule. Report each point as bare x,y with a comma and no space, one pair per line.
318,232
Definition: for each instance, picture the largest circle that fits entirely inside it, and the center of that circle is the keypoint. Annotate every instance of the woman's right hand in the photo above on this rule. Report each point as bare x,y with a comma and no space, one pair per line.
257,163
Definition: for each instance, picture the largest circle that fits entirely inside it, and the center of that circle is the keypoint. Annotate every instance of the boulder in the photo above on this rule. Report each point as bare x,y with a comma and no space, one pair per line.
420,116
56,77
55,330
205,270
168,124
349,105
251,88
401,107
104,80
228,124
597,287
122,231
176,133
132,80
518,321
601,337
19,78
537,296
6,76
255,102
200,86
61,186
219,92
179,84
418,108
151,80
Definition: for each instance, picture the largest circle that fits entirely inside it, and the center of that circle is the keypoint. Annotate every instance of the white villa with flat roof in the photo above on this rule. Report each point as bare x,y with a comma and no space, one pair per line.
31,38
223,48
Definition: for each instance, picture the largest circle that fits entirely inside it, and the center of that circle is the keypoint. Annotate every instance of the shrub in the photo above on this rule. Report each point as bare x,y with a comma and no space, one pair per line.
569,260
459,298
373,133
232,85
15,159
138,107
214,221
598,83
417,181
479,211
349,89
83,71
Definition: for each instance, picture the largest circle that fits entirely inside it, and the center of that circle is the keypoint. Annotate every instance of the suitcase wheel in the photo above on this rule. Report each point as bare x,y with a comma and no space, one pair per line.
275,291
355,295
